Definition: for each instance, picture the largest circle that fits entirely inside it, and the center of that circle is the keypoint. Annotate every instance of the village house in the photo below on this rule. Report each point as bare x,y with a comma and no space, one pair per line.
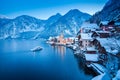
64,41
101,34
87,27
111,45
85,40
107,25
91,55
117,27
69,40
106,46
61,39
104,25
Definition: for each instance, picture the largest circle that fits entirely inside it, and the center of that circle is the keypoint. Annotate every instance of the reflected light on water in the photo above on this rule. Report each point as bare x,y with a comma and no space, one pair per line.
14,46
60,50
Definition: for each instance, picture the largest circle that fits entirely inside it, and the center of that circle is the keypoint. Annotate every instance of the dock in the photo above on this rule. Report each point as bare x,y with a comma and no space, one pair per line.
98,68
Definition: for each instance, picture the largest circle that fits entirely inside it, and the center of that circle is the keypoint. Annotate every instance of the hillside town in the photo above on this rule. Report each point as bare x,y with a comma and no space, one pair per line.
60,40
97,46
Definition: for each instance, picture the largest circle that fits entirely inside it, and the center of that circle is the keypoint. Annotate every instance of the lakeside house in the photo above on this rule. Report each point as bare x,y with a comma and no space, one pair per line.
101,34
110,26
85,40
91,55
117,28
107,26
61,40
99,46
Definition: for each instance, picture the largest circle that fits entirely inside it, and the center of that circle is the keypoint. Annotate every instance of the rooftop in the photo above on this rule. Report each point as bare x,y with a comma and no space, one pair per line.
92,57
102,31
91,49
104,22
86,36
89,25
110,44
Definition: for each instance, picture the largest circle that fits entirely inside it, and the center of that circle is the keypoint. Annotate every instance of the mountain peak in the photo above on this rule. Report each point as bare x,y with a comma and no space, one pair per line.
53,26
74,11
3,17
56,16
24,16
77,12
27,17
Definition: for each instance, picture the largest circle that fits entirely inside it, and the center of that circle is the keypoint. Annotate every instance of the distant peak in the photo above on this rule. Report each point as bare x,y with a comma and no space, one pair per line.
58,14
3,16
74,10
25,16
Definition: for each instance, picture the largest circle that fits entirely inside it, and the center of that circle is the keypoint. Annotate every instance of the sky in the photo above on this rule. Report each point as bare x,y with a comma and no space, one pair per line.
43,9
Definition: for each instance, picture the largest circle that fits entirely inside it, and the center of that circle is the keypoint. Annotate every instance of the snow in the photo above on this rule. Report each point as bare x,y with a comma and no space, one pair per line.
3,16
118,74
50,38
72,38
115,51
91,49
68,32
89,25
102,31
117,77
103,76
100,69
36,36
91,57
104,22
76,39
109,44
86,36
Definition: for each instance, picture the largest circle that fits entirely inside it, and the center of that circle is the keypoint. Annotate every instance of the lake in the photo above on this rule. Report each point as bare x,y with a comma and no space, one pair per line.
17,62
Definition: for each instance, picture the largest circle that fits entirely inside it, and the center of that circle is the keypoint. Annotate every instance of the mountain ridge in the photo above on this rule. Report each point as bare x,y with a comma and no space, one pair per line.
110,12
25,23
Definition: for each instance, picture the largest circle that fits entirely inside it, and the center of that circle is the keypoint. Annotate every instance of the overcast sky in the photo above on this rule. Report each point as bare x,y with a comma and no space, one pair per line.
43,9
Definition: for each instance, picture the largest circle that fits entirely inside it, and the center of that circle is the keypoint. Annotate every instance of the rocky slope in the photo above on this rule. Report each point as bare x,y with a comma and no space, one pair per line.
111,11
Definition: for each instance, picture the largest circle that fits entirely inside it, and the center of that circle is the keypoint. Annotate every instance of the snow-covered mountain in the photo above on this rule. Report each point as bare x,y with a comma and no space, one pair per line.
13,27
111,11
68,24
52,19
29,27
3,16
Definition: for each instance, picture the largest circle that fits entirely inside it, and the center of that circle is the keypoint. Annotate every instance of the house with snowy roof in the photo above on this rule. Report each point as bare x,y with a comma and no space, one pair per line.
91,55
101,34
107,45
107,25
85,40
87,27
117,27
111,45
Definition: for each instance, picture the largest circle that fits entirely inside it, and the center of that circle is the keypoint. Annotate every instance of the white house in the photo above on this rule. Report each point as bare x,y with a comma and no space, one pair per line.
86,39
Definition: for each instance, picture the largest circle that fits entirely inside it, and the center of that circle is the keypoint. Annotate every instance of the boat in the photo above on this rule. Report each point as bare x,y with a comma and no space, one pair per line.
37,48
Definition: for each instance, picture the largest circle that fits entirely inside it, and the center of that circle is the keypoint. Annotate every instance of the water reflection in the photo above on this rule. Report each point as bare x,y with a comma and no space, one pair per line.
82,66
51,63
60,50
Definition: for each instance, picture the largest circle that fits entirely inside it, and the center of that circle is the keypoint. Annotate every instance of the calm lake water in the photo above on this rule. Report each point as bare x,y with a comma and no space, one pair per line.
17,62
